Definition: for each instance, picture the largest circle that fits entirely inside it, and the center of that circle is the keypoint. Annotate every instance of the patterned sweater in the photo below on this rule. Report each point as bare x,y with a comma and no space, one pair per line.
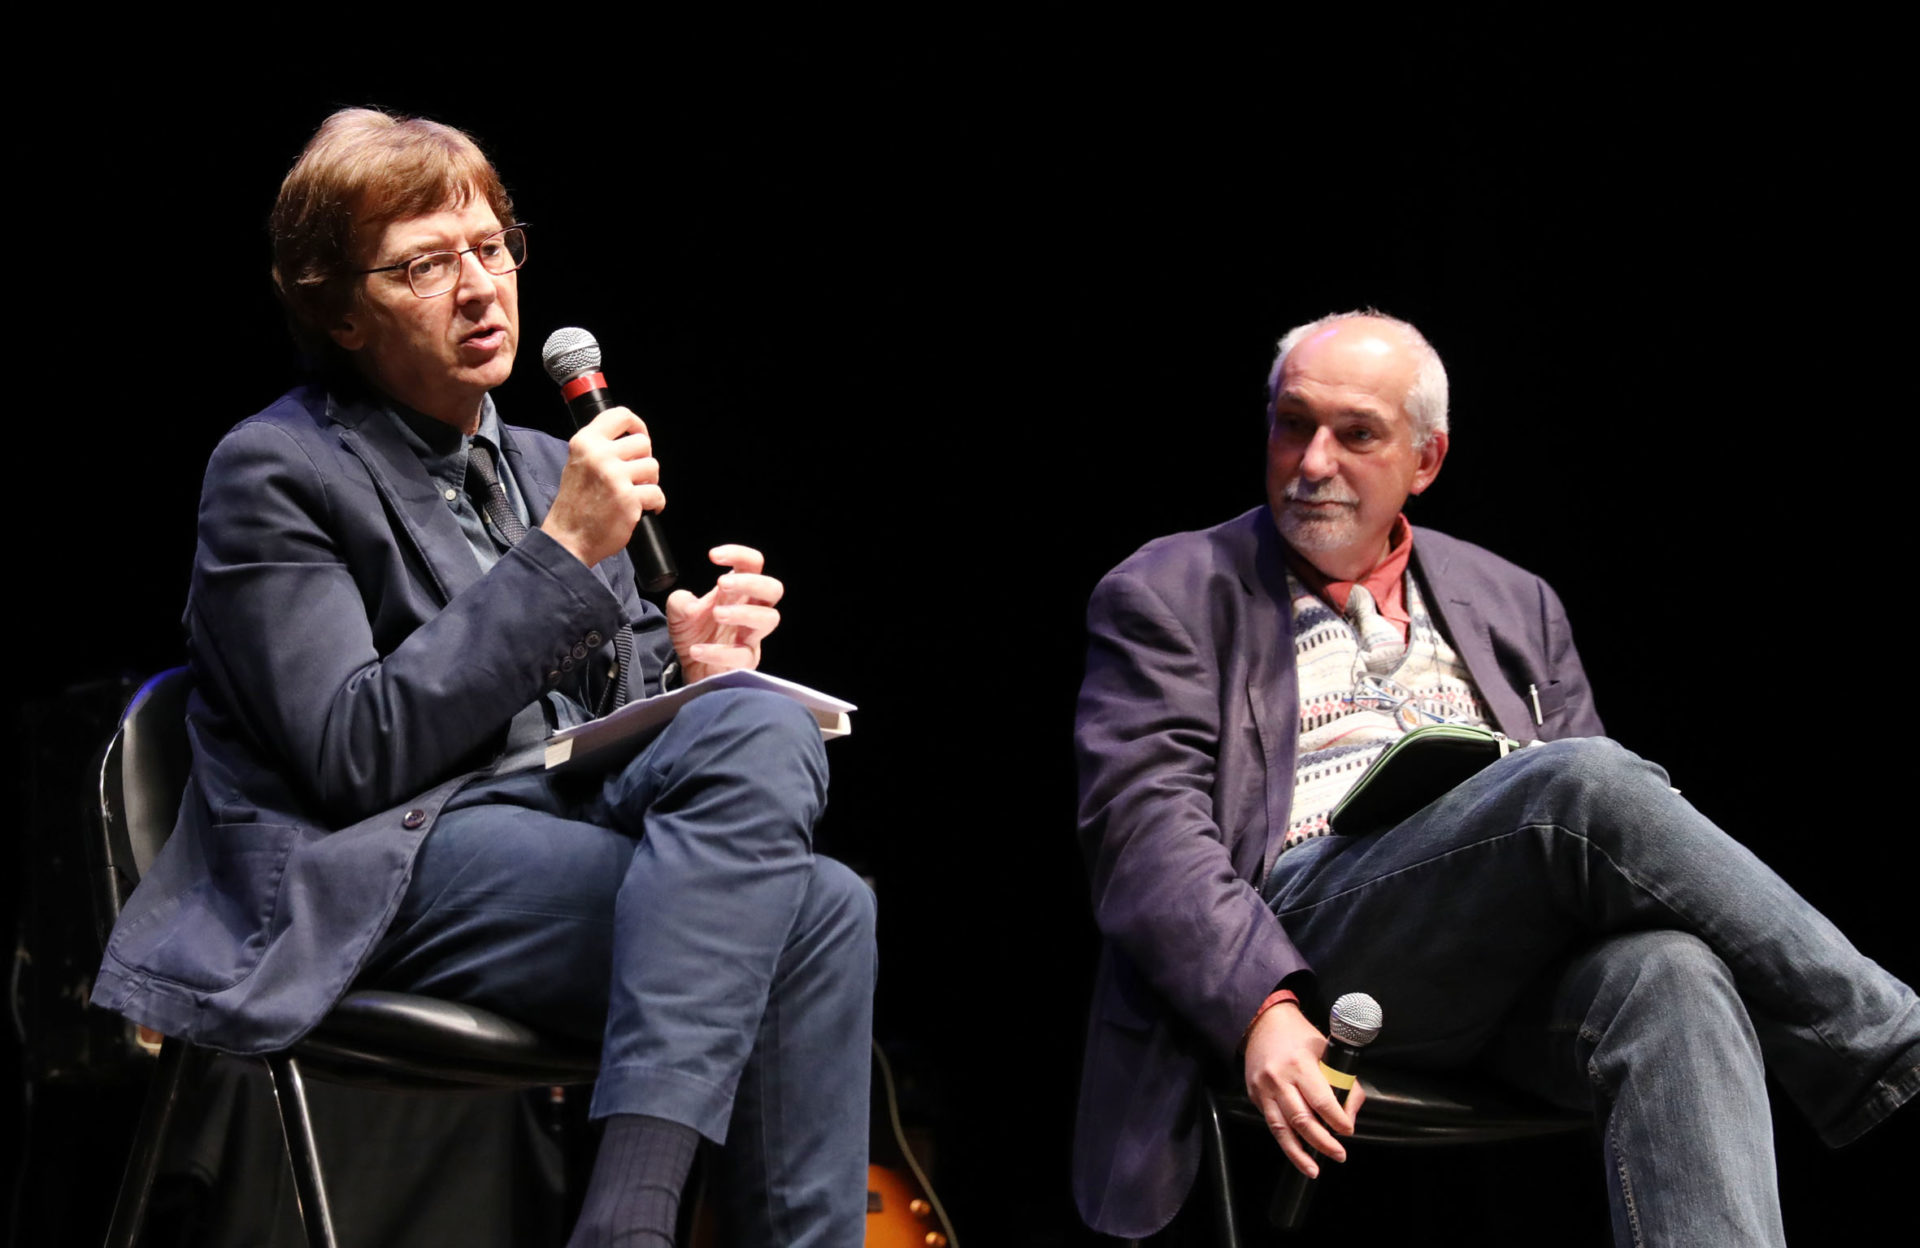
1356,697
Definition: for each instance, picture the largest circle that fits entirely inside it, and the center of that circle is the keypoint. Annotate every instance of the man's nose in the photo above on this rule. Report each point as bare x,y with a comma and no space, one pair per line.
475,282
1320,462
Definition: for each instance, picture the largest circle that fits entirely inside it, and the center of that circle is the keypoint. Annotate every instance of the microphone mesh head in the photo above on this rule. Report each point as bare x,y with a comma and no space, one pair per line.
570,353
1356,1019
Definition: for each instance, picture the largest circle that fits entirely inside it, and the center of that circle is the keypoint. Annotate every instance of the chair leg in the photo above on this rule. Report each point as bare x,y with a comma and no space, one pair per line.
1213,1159
309,1184
156,1115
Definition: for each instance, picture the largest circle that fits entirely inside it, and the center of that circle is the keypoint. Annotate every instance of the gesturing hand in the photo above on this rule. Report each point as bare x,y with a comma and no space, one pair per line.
1285,1084
723,629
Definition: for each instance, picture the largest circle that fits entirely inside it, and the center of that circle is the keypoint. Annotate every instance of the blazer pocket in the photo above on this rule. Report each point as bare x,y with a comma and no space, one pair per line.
210,934
1553,702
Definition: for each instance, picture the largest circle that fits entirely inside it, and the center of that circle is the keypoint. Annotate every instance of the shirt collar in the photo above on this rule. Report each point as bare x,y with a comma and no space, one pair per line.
1386,582
441,447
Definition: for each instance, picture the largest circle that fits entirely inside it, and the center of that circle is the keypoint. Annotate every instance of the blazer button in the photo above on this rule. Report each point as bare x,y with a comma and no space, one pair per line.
580,651
553,678
413,818
593,639
566,665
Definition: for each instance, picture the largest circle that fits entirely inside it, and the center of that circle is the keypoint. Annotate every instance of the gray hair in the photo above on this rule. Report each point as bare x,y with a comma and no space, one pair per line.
1426,397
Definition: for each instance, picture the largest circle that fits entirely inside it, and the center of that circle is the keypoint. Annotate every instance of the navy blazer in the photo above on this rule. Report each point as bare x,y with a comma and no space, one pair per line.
1185,738
352,669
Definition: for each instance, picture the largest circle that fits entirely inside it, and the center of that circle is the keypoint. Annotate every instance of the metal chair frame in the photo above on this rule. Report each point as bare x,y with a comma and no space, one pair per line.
1408,1109
371,1038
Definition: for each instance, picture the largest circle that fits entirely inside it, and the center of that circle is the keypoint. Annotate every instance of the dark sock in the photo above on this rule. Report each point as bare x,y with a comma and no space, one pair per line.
634,1195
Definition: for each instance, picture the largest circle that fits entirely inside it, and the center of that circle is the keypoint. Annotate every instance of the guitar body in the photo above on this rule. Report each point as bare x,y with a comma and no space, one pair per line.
898,1213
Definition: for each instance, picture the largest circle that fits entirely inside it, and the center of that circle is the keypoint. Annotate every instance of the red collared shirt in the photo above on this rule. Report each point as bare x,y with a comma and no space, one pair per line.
1387,581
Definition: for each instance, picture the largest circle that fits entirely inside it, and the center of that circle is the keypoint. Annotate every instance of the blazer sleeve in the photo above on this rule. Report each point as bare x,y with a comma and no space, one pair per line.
282,625
1148,740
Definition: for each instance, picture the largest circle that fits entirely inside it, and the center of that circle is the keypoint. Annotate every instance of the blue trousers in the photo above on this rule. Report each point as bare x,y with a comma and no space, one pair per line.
676,908
1569,921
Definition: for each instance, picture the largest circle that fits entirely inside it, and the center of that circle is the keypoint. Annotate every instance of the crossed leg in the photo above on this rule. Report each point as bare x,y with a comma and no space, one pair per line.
1517,879
678,910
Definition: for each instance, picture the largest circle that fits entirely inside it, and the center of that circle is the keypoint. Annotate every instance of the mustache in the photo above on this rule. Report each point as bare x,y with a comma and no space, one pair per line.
1329,491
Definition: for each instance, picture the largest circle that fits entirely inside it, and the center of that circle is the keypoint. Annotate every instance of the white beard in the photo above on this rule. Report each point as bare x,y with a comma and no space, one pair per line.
1320,534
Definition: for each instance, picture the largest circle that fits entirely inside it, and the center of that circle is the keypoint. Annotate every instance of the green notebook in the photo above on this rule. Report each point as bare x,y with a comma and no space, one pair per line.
1416,769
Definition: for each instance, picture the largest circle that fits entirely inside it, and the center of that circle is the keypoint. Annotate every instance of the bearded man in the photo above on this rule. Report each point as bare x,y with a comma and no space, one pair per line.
1564,918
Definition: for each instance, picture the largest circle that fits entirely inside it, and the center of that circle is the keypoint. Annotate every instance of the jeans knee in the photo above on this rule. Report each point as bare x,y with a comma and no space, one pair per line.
1600,786
736,766
835,931
778,732
1665,1008
1598,761
843,901
1674,957
757,713
1676,973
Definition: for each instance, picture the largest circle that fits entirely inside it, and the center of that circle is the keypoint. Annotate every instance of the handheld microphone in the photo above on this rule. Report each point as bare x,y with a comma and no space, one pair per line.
1355,1022
572,359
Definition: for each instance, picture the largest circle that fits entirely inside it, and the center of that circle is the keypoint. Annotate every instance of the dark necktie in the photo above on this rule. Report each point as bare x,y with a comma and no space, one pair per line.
484,484
623,659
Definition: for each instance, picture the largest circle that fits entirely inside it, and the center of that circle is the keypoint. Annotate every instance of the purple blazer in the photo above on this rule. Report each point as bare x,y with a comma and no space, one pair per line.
1185,738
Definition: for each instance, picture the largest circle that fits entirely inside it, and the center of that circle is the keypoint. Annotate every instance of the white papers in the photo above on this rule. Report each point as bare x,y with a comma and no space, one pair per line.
636,719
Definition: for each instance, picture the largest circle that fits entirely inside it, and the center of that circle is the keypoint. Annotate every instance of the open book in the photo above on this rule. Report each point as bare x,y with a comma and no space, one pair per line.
636,719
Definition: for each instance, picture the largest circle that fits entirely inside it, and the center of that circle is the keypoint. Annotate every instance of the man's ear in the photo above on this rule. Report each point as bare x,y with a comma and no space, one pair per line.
1432,455
350,334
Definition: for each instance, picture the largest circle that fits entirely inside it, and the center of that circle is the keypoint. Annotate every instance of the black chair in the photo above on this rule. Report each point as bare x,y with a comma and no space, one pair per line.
379,1039
1404,1108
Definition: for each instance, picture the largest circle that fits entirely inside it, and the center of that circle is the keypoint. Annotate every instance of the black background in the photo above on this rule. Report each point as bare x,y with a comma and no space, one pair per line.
950,328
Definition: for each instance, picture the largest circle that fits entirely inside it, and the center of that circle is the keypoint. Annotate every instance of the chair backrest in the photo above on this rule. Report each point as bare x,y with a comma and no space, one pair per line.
143,773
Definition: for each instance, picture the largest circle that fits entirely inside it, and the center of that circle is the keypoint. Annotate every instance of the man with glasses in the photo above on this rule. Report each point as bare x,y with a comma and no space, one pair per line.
1563,916
396,598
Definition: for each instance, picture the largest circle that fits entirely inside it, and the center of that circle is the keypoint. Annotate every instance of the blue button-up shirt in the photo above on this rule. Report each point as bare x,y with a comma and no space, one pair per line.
443,452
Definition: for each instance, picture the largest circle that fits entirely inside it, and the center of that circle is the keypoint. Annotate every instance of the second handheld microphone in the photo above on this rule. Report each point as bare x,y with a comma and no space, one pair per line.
1356,1021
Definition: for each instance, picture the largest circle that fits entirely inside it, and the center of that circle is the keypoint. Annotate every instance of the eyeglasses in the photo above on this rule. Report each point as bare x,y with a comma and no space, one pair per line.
1390,697
438,272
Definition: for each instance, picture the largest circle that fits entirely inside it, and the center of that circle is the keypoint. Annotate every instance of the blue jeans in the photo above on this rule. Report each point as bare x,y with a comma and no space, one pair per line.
1568,920
676,909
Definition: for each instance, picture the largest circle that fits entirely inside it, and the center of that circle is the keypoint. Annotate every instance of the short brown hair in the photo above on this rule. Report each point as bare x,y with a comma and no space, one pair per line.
362,170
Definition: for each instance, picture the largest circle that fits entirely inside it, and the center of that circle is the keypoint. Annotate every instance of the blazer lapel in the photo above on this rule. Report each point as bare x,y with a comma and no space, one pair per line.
411,496
530,476
1273,682
1467,627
